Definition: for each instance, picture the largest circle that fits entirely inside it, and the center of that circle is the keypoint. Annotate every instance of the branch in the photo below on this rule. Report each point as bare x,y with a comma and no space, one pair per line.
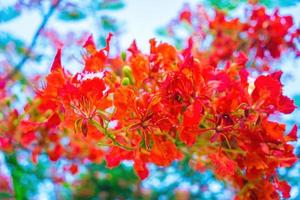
109,135
46,18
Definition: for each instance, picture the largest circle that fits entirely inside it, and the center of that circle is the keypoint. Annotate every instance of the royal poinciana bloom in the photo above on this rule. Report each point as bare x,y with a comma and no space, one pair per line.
159,108
264,36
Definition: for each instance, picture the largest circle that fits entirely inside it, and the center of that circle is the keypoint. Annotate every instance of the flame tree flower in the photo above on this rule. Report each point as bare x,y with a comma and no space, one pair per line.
164,106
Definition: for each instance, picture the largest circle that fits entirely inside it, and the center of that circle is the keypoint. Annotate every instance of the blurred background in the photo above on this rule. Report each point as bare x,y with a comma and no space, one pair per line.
30,33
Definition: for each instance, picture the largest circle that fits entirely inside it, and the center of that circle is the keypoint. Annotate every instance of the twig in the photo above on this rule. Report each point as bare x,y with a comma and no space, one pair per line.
46,18
109,135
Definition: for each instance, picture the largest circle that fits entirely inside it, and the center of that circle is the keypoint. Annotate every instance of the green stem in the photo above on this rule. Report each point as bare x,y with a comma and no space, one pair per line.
11,161
109,135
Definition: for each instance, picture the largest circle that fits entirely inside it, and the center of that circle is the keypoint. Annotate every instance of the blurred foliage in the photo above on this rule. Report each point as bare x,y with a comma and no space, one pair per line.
279,3
232,4
7,39
14,48
5,195
297,100
111,5
25,175
225,4
181,181
8,13
72,14
95,181
116,183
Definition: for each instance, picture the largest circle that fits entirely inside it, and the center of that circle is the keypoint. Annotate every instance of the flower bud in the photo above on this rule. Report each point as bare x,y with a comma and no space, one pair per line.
125,81
84,127
127,71
123,56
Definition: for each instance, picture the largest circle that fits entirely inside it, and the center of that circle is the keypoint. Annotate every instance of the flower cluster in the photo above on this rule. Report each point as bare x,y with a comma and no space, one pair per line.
261,35
161,107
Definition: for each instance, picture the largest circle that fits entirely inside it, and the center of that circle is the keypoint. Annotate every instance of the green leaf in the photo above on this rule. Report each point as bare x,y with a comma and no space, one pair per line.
111,5
108,24
288,3
8,13
297,100
4,195
71,14
267,3
281,3
7,38
162,31
225,4
102,40
16,175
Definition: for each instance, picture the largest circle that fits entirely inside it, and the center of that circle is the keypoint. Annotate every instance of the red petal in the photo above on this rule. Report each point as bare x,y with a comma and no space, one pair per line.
133,48
186,15
35,153
53,121
274,130
293,134
116,155
84,127
108,39
268,89
192,115
241,59
89,45
28,138
276,75
73,169
5,143
285,189
93,86
97,60
223,165
28,126
187,52
95,155
55,153
187,136
141,169
286,105
57,61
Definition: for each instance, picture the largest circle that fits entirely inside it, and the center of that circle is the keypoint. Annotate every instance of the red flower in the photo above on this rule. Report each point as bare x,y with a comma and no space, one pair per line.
162,56
223,165
56,152
285,189
177,92
292,136
186,15
268,94
190,124
154,107
95,60
163,151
